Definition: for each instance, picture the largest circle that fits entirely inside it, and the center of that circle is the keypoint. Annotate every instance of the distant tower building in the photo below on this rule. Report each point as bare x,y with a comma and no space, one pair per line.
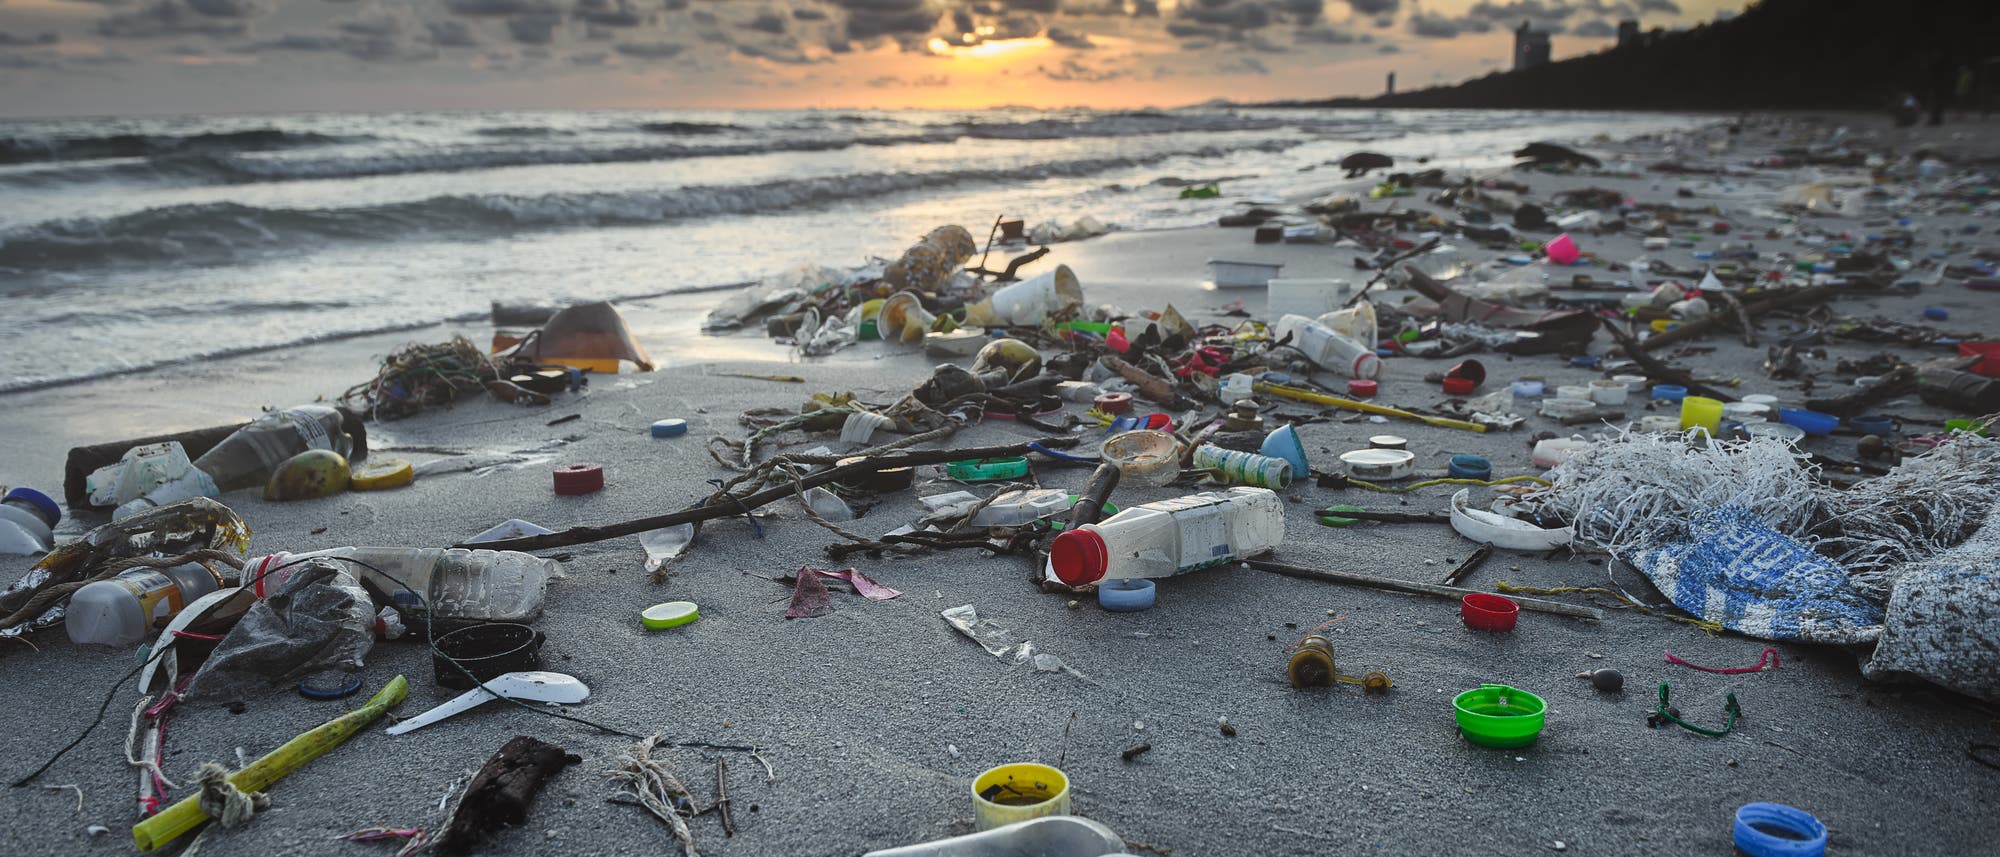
1628,33
1392,84
1531,47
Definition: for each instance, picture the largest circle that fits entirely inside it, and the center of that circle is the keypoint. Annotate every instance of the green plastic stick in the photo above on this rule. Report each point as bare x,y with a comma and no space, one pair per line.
274,766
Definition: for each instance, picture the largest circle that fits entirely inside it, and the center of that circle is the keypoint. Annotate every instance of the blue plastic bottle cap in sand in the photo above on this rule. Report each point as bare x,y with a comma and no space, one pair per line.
1936,313
1777,830
1470,467
670,428
1669,392
1125,594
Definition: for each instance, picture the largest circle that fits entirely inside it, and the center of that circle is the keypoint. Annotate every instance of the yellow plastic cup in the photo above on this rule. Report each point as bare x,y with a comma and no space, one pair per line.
1703,412
1018,791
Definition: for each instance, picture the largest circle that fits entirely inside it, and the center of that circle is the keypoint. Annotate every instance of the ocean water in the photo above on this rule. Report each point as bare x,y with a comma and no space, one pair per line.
132,243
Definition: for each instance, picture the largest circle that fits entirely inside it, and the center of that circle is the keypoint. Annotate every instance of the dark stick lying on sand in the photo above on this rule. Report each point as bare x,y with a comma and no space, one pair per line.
731,506
1431,589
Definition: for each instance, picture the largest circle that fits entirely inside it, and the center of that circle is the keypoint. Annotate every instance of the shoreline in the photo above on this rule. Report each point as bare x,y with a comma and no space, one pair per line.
886,694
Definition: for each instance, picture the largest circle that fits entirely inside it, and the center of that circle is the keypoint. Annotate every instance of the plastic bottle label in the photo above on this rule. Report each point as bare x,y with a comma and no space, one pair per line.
159,597
310,430
1204,536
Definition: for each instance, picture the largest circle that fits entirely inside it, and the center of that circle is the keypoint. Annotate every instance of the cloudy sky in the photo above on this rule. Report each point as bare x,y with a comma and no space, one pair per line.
62,57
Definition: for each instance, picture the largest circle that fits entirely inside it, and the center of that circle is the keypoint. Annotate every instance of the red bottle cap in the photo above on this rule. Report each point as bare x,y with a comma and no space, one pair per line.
579,478
1363,387
1459,386
1079,557
1113,403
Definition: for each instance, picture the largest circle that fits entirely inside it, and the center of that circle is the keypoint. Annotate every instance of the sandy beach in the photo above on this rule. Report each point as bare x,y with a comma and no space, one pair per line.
875,718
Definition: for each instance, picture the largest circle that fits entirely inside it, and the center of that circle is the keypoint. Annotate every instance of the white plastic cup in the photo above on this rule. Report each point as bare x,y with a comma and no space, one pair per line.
1608,391
1028,301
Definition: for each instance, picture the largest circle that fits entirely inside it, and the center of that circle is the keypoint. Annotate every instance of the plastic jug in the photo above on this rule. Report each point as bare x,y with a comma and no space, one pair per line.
493,586
27,522
247,458
126,609
1171,537
1328,349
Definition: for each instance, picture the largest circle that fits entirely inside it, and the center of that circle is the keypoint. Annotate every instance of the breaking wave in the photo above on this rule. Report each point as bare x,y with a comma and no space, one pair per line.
28,150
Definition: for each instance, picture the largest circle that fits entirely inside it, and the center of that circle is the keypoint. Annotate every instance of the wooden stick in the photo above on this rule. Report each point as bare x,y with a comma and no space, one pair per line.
1405,586
1089,508
1742,318
1387,517
1303,395
732,506
1470,565
722,796
1701,326
1654,368
259,775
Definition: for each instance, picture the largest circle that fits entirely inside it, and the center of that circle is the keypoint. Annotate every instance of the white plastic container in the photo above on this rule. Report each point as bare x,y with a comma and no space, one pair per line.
124,610
1236,388
1309,298
1028,301
247,458
1556,450
1242,273
1171,537
1609,391
1328,349
27,522
493,586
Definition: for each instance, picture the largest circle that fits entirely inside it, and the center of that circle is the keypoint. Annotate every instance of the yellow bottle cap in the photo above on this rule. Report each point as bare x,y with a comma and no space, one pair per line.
382,475
672,614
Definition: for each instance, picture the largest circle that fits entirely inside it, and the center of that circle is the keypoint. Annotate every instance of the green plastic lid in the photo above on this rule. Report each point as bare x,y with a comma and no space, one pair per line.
672,614
988,469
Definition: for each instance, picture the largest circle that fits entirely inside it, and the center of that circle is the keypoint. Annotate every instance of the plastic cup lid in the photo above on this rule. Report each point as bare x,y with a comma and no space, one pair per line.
672,614
670,428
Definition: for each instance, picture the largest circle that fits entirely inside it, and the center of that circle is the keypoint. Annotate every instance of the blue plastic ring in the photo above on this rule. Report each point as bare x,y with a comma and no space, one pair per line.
1470,467
353,686
1798,834
1125,594
670,428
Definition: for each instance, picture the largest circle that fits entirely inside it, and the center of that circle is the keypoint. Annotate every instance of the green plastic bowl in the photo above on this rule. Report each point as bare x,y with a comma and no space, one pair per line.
1495,715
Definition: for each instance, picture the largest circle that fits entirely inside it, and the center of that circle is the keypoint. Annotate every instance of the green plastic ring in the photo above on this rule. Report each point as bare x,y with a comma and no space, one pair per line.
988,469
1336,520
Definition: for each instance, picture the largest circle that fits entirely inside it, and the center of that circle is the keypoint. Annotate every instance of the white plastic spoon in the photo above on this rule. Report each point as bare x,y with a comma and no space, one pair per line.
525,686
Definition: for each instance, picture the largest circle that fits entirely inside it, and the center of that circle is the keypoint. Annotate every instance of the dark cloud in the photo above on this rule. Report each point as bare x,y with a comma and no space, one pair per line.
650,50
1194,31
163,19
534,29
1077,70
781,51
1441,27
1145,8
590,59
1324,36
502,8
807,13
925,81
452,34
13,41
1664,7
610,13
1071,38
1375,7
1227,13
306,42
870,19
1245,65
1596,28
767,22
1520,10
1388,48
229,8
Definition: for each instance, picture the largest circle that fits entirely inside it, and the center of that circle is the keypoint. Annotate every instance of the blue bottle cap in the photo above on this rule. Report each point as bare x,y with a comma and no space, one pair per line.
670,428
1125,595
37,499
1670,392
1470,467
1936,313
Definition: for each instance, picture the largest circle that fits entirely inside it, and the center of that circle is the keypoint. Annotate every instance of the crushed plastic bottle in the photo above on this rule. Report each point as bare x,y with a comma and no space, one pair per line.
666,544
1171,537
492,586
828,505
247,458
1328,349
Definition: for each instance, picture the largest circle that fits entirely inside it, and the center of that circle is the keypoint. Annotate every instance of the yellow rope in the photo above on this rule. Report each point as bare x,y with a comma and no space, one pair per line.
1404,489
1704,624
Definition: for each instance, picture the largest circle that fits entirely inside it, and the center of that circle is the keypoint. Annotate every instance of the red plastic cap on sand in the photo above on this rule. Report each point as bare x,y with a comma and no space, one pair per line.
579,478
1079,557
1363,387
1459,386
1114,403
1485,612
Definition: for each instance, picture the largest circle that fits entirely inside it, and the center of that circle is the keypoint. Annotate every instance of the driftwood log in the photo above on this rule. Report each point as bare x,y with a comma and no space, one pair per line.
499,794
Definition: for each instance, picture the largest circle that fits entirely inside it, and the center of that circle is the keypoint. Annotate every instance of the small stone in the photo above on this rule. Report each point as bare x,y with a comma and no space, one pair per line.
1513,568
1073,604
1138,725
1732,763
1228,731
97,830
1560,846
1607,679
952,749
1270,636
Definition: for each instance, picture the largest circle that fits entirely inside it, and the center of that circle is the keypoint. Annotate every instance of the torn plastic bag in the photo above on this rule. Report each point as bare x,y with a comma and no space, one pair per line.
767,296
320,619
1003,643
1736,571
588,336
1943,621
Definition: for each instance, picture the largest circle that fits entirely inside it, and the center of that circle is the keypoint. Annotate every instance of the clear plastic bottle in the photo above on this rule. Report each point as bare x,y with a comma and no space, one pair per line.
1171,537
247,458
122,611
27,522
493,586
1327,349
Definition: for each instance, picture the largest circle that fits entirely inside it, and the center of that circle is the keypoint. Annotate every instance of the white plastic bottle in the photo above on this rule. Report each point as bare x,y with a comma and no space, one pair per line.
124,610
495,586
247,458
1171,537
27,522
1327,349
